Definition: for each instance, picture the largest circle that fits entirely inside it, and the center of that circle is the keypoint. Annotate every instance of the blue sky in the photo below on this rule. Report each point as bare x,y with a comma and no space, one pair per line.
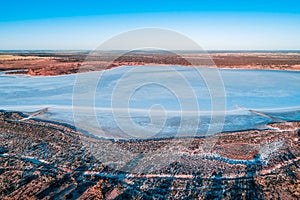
215,25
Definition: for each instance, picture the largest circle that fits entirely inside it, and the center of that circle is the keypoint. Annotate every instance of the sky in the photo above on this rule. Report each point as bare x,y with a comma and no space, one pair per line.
214,25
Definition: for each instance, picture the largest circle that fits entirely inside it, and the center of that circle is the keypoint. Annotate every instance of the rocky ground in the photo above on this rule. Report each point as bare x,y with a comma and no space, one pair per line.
59,63
47,160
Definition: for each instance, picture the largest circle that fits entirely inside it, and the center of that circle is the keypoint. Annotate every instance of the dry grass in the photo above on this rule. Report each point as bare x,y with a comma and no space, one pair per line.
14,57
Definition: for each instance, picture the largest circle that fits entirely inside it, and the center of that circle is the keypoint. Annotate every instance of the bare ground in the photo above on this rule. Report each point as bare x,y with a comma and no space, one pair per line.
45,160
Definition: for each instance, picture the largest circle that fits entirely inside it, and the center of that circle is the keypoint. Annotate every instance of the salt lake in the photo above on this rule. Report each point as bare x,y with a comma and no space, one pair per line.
159,101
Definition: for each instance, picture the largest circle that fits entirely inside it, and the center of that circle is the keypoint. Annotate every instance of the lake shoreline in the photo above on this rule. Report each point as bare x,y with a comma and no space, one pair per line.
72,127
62,63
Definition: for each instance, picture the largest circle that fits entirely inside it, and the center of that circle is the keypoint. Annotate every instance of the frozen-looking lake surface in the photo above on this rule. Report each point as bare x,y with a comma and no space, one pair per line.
158,92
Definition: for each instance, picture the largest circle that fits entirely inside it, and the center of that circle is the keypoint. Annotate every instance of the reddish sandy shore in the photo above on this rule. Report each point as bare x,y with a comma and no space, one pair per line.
47,64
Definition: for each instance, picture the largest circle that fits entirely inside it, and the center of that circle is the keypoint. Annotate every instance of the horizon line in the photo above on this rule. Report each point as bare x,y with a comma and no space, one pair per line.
153,50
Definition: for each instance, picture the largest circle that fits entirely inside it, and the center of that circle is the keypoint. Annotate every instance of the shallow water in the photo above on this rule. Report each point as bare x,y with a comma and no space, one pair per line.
157,100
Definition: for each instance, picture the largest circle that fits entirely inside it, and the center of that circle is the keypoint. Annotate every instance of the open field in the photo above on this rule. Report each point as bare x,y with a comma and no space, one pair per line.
58,63
40,159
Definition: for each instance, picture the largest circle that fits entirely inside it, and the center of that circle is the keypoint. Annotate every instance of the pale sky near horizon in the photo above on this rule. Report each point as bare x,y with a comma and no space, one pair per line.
221,25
